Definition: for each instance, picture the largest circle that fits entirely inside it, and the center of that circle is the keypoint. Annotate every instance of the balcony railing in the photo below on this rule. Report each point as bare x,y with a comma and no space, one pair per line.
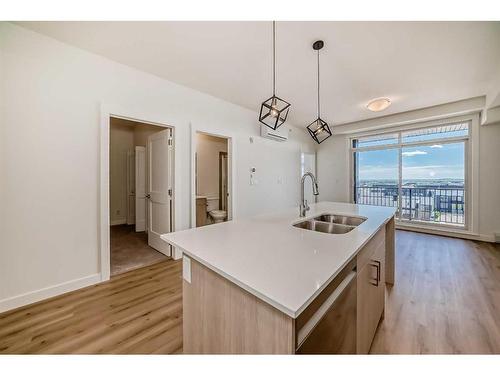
445,205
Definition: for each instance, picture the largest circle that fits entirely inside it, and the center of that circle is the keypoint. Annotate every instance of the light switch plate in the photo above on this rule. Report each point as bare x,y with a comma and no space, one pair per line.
186,269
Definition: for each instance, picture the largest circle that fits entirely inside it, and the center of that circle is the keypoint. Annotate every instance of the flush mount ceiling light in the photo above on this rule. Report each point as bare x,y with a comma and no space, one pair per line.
319,129
274,111
379,104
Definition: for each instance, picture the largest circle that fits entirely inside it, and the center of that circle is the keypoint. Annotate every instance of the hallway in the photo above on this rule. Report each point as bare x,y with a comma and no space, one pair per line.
130,250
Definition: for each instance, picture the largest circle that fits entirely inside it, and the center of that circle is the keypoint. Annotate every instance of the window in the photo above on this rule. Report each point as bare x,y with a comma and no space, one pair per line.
377,140
377,177
421,172
440,132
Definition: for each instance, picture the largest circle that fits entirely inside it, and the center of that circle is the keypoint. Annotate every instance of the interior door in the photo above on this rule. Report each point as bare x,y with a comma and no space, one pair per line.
140,188
159,185
130,187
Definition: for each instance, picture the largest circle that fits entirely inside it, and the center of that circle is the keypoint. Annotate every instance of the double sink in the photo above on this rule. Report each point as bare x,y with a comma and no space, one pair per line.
330,223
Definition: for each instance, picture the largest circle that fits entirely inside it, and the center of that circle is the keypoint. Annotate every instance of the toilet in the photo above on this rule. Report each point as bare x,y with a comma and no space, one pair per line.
218,216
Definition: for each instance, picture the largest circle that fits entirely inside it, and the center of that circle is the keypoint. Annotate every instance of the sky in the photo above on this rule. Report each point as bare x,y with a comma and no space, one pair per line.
423,162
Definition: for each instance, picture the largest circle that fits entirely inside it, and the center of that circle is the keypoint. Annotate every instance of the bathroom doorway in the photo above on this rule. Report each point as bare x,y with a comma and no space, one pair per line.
212,179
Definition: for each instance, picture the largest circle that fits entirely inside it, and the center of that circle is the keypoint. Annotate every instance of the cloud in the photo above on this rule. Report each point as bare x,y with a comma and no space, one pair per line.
437,146
413,153
375,172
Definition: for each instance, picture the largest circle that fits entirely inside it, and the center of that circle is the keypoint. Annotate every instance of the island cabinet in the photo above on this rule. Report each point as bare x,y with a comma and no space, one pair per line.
221,317
370,264
343,319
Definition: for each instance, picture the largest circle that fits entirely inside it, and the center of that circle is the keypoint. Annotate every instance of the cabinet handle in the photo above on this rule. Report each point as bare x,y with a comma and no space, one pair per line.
377,266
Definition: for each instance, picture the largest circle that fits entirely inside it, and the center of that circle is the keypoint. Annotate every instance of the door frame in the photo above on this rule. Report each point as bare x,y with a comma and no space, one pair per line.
138,150
221,157
230,170
107,112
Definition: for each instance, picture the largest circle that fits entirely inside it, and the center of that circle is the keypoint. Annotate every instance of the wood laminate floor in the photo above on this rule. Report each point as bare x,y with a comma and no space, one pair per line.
446,300
136,312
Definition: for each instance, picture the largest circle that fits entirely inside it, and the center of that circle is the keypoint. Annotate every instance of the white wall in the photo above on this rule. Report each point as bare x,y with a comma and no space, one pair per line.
489,179
51,95
207,150
334,176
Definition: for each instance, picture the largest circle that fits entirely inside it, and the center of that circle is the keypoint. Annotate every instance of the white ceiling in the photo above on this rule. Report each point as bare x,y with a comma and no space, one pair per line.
416,64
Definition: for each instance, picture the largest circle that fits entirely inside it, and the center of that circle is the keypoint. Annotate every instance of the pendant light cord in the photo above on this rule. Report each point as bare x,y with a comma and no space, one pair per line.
274,58
318,88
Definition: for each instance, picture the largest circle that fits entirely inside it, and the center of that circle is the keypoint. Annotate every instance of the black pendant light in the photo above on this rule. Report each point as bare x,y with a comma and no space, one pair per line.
319,129
274,111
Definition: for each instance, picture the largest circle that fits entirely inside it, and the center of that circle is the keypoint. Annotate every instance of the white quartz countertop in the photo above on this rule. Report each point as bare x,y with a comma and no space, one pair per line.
284,266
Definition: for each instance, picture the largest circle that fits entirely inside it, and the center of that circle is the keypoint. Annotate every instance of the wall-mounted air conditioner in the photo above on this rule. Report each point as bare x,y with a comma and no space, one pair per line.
280,134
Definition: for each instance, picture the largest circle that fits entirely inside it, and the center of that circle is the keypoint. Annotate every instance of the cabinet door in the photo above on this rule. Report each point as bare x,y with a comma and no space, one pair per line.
335,333
371,299
201,211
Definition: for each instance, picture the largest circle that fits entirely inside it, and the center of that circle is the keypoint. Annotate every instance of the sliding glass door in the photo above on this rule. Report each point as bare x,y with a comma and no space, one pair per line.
377,178
433,183
422,172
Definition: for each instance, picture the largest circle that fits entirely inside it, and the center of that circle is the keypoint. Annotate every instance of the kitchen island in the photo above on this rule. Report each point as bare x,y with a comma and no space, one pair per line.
263,285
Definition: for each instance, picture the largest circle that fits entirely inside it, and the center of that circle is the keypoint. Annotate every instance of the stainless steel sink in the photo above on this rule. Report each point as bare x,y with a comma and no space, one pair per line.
341,219
330,223
324,227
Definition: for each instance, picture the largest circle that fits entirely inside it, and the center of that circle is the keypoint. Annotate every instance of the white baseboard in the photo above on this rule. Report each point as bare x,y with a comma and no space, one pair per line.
487,237
447,233
51,291
118,221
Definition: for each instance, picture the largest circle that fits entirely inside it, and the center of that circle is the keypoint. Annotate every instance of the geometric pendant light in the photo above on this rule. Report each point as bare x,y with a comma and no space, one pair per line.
319,129
274,111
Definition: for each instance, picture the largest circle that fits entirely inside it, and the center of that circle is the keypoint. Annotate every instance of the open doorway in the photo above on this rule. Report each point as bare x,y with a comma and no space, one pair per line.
212,179
140,193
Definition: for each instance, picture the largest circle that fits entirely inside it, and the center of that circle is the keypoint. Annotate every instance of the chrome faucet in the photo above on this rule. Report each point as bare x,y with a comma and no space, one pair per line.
304,207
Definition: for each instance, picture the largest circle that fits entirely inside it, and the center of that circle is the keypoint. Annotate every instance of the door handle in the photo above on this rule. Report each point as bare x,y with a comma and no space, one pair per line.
377,267
148,196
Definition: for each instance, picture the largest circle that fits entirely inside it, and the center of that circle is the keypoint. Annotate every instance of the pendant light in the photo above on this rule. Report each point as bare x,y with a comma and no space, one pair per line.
274,111
319,129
